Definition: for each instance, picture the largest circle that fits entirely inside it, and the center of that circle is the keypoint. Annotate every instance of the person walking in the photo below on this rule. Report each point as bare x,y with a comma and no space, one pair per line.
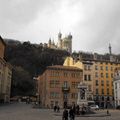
65,114
72,114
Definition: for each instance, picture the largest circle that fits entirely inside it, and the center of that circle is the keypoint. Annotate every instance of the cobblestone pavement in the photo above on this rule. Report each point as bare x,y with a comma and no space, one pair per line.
22,111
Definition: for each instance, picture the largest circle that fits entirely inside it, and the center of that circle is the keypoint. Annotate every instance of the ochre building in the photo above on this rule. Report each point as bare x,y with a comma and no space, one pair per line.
58,85
5,75
98,74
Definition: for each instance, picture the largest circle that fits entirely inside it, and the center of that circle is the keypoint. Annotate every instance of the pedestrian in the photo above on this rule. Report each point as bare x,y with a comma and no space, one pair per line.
72,114
77,109
55,108
65,114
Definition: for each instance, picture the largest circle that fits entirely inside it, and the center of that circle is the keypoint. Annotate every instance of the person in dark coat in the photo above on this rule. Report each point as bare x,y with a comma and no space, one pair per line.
65,114
55,108
72,114
77,109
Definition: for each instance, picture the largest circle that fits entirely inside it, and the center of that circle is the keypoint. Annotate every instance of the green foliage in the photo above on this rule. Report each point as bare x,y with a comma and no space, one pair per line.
33,60
22,84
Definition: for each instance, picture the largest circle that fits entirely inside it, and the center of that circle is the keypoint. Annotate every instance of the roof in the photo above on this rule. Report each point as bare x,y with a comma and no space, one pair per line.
1,39
59,67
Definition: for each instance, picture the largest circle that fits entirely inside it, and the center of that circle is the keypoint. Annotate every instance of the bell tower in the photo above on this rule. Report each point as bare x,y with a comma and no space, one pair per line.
60,40
110,49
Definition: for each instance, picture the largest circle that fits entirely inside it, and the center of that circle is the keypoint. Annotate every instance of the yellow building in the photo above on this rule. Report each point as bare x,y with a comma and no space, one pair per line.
103,82
87,67
98,73
5,75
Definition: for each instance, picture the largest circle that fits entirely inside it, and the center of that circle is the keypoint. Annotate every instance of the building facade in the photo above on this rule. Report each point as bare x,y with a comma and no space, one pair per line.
117,86
58,85
5,75
98,74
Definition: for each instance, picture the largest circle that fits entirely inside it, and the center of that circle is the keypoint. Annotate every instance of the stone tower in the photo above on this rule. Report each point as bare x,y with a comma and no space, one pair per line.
67,43
70,43
60,40
110,49
49,43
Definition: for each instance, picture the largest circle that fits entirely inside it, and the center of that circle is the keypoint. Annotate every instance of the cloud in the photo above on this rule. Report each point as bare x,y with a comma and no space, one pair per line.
93,23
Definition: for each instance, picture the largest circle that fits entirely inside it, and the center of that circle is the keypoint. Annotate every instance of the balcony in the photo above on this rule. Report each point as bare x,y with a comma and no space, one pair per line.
65,88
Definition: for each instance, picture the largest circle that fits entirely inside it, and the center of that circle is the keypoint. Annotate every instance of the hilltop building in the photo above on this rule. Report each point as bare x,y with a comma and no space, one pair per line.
5,75
64,43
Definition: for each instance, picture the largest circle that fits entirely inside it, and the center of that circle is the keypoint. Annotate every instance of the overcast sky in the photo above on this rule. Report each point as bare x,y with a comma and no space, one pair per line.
93,23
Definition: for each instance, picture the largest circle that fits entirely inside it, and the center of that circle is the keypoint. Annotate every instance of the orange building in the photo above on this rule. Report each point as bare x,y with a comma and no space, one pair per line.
5,75
58,85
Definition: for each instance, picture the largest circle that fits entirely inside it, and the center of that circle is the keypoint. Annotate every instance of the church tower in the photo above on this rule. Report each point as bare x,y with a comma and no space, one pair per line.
112,58
60,40
70,43
110,49
49,43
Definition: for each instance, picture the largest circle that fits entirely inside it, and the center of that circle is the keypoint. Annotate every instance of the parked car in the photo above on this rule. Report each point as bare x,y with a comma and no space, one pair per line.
118,107
94,107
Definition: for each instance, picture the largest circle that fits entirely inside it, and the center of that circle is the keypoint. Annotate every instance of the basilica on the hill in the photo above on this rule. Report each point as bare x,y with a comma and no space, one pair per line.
64,43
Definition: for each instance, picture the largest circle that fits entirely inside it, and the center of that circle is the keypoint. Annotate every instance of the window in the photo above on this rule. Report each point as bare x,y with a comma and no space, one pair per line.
96,74
54,95
107,91
57,82
107,83
78,75
51,83
75,84
73,75
89,77
65,74
111,68
112,91
96,67
85,67
115,85
96,82
89,67
89,87
106,75
54,83
106,68
65,84
74,95
111,83
85,77
96,91
111,75
102,75
51,94
102,91
102,83
101,67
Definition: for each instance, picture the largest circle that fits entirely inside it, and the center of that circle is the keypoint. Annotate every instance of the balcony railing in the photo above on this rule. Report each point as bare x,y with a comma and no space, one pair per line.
65,88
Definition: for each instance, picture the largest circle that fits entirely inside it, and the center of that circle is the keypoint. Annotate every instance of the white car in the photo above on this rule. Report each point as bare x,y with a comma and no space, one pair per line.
94,107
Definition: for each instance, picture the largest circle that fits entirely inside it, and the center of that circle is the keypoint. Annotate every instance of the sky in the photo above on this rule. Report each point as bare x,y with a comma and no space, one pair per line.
93,23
